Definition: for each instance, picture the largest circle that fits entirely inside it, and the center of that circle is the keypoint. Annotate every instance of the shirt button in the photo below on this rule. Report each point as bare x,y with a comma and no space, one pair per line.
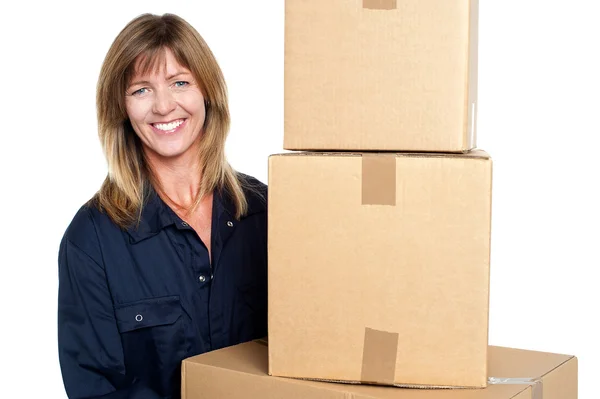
139,318
184,224
202,278
230,224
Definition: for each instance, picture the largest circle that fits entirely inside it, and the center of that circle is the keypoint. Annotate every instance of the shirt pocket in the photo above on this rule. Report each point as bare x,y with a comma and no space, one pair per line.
153,340
148,313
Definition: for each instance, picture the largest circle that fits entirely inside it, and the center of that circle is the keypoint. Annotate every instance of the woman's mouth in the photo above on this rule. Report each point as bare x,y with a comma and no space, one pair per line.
168,127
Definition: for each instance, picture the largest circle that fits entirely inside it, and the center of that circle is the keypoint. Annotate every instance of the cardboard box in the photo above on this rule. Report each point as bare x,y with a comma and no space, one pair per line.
379,267
241,372
380,75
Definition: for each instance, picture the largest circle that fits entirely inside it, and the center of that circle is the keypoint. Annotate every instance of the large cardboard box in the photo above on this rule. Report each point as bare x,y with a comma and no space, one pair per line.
379,267
380,75
240,372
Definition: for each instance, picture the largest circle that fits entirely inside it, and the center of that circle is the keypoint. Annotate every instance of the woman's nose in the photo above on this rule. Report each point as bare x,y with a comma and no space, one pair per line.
164,102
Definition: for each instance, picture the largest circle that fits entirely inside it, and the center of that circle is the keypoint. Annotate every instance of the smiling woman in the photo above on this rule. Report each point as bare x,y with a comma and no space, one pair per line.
167,113
168,259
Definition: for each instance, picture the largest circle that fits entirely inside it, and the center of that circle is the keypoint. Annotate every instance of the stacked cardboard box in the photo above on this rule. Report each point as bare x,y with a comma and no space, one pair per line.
379,228
385,75
379,267
240,372
379,257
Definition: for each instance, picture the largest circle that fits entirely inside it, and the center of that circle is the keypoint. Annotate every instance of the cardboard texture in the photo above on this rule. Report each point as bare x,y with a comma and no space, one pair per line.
380,75
241,372
379,267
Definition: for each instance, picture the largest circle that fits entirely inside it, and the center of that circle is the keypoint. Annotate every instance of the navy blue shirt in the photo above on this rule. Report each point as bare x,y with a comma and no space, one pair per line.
134,303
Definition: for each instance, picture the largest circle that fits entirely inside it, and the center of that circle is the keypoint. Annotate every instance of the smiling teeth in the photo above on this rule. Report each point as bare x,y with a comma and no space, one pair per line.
168,126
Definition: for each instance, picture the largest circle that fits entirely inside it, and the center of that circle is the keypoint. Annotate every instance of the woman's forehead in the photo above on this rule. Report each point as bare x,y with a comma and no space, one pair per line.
157,63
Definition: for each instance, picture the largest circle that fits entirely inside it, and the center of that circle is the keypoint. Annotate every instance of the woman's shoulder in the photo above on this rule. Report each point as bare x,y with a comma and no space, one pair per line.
255,192
251,183
82,231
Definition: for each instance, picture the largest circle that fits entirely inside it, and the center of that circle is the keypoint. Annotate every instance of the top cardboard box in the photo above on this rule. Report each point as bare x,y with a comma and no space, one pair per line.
381,75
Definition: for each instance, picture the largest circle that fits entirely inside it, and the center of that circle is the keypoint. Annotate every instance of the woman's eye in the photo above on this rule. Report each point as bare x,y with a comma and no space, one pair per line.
139,92
181,84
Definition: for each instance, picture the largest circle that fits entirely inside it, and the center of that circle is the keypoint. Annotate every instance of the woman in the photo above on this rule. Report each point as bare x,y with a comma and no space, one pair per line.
168,260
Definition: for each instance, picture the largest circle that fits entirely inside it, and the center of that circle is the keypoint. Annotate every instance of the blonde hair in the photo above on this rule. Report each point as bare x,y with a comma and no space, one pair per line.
141,44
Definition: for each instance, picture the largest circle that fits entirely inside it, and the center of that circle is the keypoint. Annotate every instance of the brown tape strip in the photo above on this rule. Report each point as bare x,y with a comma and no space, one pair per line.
380,4
379,357
378,179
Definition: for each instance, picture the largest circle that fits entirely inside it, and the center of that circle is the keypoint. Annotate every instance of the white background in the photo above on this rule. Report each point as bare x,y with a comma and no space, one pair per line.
539,90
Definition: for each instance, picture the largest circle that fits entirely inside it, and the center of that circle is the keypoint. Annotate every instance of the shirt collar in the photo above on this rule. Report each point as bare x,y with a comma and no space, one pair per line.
156,214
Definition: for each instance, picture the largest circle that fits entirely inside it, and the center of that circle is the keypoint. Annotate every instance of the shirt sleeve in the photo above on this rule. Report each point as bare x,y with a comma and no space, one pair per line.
89,343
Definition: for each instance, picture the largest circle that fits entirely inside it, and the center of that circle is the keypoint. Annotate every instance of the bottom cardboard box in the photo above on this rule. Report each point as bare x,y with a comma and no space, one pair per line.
241,372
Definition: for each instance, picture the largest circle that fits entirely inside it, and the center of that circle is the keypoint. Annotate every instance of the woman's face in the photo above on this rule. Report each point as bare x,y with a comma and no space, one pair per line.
166,110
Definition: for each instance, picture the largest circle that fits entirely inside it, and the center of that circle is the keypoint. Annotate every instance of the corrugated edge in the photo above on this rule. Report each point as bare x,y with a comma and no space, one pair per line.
471,78
490,190
183,387
270,161
351,382
475,153
349,149
285,139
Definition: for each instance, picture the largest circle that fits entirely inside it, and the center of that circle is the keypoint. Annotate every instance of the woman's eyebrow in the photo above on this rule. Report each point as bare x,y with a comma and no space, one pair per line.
177,74
145,82
139,82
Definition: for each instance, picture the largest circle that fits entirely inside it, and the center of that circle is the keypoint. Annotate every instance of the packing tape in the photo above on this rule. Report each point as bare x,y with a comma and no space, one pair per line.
379,357
380,4
379,363
537,387
378,179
